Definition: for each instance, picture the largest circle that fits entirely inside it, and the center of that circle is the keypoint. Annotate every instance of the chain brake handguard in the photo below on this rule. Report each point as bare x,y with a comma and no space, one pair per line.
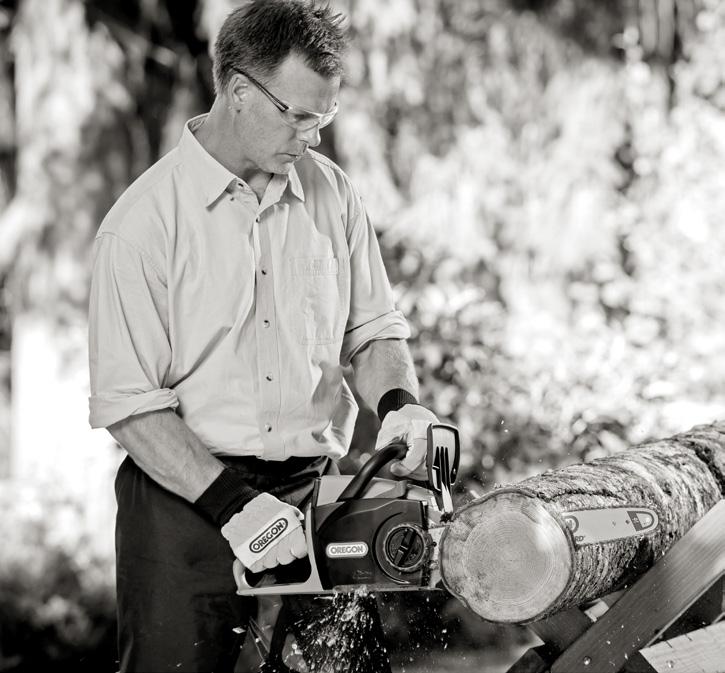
444,454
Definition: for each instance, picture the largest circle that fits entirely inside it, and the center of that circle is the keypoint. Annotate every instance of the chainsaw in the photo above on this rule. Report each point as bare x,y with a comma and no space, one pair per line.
366,532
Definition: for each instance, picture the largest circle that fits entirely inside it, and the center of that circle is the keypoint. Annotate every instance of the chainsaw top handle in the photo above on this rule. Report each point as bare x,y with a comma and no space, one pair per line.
358,484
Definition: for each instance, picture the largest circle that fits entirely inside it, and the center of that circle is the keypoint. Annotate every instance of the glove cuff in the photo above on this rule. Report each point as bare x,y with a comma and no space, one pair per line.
393,400
225,496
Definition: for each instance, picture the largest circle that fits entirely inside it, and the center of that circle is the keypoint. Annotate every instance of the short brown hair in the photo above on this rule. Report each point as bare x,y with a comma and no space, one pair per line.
258,36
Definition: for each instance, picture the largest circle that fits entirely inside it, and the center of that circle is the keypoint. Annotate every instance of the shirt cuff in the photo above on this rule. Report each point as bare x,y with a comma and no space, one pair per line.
391,325
109,408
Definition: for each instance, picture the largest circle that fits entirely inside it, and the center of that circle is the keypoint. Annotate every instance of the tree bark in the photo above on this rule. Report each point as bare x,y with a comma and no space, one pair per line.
510,557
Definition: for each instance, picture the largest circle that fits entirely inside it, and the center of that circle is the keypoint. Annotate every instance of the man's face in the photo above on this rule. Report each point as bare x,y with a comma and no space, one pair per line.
267,141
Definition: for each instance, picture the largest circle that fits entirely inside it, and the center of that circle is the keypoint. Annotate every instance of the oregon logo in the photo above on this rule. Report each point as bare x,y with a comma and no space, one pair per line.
268,535
346,550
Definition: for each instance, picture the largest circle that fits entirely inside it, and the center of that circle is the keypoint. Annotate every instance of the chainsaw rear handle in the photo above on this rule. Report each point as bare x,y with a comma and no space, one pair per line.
358,484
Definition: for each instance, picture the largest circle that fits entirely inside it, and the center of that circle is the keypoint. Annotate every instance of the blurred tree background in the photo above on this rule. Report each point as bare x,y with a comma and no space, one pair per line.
546,179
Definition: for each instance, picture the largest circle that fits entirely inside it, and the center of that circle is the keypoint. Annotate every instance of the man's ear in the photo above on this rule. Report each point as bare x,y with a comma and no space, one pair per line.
237,91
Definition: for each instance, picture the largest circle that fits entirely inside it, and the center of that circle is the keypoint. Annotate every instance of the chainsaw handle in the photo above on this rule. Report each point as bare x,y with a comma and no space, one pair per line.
379,459
240,576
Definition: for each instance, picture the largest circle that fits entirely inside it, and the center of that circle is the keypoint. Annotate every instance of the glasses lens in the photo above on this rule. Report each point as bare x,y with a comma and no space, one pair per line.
300,120
304,121
327,119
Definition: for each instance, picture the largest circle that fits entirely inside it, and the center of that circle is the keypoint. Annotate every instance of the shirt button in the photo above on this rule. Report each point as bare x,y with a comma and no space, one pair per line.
265,323
268,427
264,272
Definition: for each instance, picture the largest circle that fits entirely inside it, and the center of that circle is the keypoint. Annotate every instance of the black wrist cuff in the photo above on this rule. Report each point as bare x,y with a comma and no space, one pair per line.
393,400
225,496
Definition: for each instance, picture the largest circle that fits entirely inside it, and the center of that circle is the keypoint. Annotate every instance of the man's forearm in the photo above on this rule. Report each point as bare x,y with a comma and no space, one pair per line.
166,449
384,365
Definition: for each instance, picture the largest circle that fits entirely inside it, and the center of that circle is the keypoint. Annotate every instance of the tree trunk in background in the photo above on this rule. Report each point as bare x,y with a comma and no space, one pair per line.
510,556
7,186
74,156
7,119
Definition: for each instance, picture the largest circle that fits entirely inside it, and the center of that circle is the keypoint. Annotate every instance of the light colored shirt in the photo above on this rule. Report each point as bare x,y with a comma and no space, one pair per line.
238,314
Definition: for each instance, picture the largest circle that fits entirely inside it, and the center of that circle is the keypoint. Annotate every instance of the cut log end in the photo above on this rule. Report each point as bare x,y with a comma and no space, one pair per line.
506,557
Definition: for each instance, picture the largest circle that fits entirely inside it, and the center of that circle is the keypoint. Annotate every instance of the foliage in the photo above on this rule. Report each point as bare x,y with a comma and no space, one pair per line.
549,219
56,593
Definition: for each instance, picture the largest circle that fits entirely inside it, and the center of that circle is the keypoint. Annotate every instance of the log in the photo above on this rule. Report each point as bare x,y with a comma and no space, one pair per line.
509,556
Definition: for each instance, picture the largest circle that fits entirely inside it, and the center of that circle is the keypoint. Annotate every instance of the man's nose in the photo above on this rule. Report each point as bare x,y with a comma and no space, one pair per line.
311,136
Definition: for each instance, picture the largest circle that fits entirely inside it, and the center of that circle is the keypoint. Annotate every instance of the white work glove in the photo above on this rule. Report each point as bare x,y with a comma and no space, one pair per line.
410,425
266,533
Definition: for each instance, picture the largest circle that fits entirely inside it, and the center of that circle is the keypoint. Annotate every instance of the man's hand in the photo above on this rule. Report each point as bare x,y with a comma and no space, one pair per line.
410,425
266,533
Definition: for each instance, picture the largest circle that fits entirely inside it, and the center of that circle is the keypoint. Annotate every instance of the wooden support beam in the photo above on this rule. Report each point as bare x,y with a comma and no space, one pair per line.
700,651
560,630
706,610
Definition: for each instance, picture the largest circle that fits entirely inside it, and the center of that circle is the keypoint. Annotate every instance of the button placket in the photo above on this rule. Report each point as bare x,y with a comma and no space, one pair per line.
267,348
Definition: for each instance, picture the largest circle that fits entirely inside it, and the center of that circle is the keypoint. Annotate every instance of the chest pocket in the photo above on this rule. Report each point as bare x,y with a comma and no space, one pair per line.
318,299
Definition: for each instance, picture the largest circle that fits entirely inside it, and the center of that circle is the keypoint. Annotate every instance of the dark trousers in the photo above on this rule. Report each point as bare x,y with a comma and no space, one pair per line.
177,606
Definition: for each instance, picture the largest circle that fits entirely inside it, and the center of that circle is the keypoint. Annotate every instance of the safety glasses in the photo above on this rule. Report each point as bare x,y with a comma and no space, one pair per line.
294,116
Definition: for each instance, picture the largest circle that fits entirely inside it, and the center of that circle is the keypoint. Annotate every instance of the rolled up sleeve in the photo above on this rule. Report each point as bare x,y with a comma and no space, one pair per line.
129,349
372,310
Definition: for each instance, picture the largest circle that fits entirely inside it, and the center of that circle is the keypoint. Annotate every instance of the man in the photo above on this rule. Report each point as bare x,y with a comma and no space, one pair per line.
232,283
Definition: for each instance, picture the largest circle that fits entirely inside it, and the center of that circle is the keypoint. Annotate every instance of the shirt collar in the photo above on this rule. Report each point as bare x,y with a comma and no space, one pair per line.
295,184
213,178
208,173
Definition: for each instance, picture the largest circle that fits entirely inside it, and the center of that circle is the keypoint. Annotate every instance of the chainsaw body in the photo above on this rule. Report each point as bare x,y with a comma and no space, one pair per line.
371,533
